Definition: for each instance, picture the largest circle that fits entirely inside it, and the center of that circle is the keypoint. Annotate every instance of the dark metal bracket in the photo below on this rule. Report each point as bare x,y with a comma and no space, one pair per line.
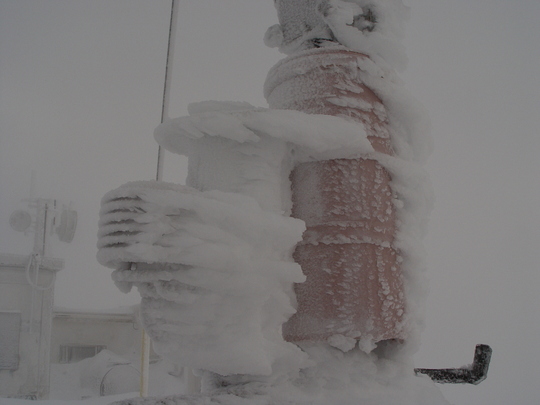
472,374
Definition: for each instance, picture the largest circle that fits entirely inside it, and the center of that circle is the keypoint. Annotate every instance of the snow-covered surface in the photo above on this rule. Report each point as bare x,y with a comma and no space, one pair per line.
380,39
312,137
374,28
235,147
105,378
338,378
224,286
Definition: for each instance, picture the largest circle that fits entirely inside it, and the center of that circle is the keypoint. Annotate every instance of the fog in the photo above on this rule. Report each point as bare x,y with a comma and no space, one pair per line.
81,83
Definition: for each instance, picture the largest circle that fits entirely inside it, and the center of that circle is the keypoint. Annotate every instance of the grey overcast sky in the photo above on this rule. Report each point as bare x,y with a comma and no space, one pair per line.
80,94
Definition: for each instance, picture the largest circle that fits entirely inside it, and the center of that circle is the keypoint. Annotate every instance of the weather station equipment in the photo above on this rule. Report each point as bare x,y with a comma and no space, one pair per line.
27,296
289,268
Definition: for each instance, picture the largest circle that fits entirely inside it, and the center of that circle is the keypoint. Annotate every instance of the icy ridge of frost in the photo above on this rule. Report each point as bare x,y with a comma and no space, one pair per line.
220,285
408,122
371,27
409,129
414,202
316,137
378,36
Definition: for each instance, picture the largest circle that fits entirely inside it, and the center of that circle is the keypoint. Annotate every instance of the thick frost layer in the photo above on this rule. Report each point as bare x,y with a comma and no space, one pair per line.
312,137
221,283
408,130
374,28
410,133
237,147
409,125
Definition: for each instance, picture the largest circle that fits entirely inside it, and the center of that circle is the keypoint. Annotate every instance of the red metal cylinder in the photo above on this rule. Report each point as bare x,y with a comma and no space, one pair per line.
354,284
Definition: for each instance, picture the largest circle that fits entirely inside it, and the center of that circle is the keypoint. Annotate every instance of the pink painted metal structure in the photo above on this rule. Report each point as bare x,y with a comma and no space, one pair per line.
354,284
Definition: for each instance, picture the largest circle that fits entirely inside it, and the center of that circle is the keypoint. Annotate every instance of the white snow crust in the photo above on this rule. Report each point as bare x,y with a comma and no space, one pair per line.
224,286
311,137
382,40
235,147
344,22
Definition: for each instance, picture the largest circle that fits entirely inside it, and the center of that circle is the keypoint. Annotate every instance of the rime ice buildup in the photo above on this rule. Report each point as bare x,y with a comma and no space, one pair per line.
360,247
300,225
354,285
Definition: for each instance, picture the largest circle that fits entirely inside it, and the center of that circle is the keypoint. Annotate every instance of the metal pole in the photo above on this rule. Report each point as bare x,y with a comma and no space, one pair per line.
145,345
167,82
145,363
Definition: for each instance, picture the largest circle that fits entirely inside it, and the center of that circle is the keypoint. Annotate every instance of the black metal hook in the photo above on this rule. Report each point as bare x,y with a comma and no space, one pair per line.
473,374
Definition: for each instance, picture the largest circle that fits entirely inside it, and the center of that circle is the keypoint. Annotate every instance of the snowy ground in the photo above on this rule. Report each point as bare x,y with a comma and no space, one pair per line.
118,377
338,378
